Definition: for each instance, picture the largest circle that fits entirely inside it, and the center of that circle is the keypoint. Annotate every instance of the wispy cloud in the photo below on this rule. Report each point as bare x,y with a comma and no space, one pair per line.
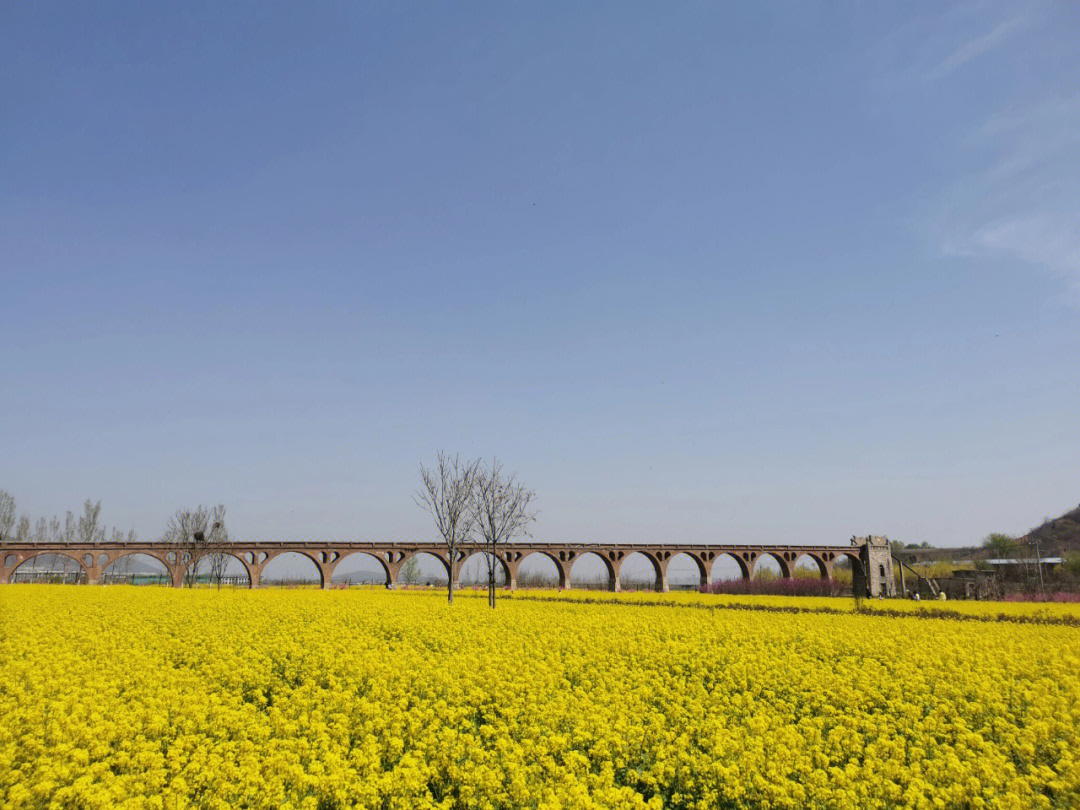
1025,201
975,48
1048,239
1010,131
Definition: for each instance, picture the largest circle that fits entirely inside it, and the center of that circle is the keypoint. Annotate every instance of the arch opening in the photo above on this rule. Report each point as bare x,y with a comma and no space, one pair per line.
639,572
728,568
809,566
539,570
360,568
136,569
218,570
424,570
591,572
475,568
768,568
686,572
291,569
847,570
50,568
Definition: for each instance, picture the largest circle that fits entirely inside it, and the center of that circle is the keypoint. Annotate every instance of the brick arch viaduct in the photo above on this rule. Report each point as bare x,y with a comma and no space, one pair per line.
869,555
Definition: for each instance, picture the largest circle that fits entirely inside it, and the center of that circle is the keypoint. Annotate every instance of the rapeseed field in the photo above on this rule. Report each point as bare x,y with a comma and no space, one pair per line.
152,697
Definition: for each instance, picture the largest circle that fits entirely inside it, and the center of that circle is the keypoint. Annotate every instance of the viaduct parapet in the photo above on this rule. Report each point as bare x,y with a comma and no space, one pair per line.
870,558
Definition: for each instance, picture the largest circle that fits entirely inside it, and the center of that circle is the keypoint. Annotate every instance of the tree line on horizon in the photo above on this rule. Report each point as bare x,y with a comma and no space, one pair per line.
197,534
86,528
468,500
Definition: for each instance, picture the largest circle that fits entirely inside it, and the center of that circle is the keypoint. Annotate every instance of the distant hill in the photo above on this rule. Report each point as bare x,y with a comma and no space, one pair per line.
1057,535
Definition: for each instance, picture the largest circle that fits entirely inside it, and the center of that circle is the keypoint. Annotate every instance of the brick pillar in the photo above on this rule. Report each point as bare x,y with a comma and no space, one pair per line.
455,573
858,577
7,572
661,576
703,571
393,570
93,574
326,571
176,570
512,568
562,576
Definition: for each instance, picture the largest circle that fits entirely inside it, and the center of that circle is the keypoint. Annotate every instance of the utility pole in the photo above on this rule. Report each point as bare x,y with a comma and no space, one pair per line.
1038,564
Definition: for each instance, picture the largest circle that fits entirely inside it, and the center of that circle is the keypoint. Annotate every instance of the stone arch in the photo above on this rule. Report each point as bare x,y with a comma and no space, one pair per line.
679,559
235,567
280,557
342,576
809,560
782,564
113,570
81,574
652,564
723,563
608,567
530,579
421,556
844,557
481,554
849,566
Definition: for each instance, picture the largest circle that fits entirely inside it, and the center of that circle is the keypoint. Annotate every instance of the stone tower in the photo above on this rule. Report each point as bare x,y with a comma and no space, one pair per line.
876,577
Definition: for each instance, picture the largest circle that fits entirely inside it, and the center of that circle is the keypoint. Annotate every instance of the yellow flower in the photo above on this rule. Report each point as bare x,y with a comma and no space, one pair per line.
144,697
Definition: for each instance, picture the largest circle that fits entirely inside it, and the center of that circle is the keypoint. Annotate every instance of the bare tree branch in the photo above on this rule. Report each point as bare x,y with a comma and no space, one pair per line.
446,492
7,514
501,509
196,535
68,534
88,529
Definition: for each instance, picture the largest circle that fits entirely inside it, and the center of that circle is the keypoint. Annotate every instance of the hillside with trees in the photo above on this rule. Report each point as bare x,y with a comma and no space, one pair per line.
1056,536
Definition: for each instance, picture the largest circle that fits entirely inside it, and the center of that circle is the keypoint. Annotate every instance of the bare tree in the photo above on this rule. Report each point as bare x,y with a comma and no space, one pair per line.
219,562
41,531
196,535
22,530
501,508
89,528
446,493
219,541
7,514
68,534
125,566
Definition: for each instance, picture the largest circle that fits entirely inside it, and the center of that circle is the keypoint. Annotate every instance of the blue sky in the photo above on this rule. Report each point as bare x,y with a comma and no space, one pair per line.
744,273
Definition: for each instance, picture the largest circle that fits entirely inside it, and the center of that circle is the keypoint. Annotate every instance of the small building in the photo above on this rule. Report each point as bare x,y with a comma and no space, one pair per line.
1023,567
